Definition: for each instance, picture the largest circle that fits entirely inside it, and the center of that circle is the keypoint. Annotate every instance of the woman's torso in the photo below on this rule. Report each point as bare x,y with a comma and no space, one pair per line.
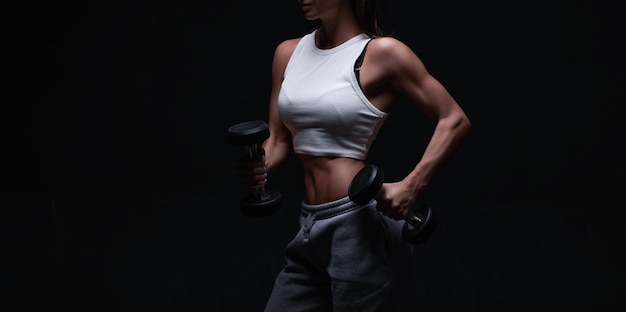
327,176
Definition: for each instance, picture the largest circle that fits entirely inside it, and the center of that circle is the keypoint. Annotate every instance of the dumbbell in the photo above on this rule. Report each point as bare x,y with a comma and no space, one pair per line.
251,135
419,224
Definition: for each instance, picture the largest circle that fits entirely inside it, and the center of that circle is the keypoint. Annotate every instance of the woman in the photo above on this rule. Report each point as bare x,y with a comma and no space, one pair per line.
331,92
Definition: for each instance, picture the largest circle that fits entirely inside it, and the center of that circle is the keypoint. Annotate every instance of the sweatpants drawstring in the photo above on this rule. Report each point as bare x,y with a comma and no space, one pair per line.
308,224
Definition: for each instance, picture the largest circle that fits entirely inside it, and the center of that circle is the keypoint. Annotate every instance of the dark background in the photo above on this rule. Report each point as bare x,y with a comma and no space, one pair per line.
117,185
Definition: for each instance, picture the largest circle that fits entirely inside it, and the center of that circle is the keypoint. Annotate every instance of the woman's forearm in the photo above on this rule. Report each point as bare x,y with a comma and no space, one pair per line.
276,153
447,136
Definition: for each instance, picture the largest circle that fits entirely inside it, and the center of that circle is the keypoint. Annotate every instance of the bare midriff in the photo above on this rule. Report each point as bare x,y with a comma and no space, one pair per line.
328,178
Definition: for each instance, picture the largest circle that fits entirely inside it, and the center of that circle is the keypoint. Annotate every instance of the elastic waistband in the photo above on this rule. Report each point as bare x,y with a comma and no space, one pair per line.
329,209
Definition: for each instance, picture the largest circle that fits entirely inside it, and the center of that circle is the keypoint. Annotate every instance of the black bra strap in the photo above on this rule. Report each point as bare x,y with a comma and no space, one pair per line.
359,61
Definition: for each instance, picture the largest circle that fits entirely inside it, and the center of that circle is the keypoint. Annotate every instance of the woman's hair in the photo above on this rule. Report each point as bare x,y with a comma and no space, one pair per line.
366,15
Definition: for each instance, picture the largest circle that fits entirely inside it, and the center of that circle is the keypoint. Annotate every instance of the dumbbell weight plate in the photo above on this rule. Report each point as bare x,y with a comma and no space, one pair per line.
417,235
248,133
266,205
366,184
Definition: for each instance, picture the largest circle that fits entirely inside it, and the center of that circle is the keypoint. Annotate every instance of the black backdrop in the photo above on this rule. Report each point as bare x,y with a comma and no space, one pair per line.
117,184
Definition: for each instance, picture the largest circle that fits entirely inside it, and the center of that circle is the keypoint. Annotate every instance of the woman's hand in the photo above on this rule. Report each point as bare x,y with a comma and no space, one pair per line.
251,172
396,199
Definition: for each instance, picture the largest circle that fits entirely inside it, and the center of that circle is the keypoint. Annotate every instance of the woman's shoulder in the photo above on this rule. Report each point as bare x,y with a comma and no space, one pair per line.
389,46
283,52
289,43
392,52
285,48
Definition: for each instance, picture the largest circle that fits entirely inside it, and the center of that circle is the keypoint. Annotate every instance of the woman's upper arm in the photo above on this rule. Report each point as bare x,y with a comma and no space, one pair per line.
408,76
279,144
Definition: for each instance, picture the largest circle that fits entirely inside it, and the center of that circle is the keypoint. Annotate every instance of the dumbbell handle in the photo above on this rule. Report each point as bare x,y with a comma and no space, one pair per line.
254,151
413,218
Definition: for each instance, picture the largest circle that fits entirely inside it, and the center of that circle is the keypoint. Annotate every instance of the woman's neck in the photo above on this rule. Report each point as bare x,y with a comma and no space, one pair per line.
327,37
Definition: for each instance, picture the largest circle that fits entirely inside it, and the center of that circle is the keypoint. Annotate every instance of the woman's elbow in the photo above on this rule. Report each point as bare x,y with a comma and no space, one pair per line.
465,123
460,122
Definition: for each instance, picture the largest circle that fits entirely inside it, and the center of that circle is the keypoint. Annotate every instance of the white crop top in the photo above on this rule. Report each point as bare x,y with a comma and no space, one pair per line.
322,104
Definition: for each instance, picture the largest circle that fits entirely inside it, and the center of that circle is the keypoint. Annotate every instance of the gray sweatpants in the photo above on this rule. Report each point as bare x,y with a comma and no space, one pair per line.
345,257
